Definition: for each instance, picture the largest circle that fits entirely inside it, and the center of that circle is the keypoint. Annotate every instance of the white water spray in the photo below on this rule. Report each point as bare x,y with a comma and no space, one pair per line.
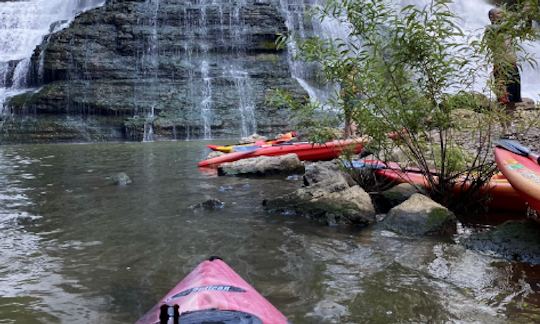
23,25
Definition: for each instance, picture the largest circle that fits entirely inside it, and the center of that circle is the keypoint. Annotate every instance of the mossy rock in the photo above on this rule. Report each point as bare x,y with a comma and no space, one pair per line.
419,215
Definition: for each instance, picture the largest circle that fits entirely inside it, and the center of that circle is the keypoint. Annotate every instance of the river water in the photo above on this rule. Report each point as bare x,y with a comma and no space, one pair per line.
74,248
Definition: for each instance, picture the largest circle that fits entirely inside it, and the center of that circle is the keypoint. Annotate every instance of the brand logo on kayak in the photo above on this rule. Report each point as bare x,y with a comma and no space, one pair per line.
206,288
515,166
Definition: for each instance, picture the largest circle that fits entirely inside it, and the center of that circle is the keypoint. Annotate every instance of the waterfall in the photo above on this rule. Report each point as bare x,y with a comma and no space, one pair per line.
23,26
206,103
150,67
241,78
199,88
205,70
300,27
246,105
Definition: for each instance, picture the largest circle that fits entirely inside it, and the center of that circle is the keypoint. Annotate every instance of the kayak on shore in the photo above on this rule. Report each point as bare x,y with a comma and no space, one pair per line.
213,293
503,195
522,169
306,151
283,138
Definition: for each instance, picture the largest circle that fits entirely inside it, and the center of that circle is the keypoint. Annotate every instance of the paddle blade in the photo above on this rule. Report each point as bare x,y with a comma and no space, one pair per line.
514,147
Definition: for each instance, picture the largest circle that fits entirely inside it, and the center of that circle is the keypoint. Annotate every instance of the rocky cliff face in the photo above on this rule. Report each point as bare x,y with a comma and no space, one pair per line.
136,69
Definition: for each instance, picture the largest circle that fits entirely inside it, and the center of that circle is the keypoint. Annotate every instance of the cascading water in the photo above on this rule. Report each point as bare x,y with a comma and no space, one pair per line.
196,25
151,67
204,67
301,26
206,104
241,78
246,104
23,25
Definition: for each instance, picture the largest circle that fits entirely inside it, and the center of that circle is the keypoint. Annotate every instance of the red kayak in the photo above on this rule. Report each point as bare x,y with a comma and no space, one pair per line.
523,173
213,293
305,151
503,195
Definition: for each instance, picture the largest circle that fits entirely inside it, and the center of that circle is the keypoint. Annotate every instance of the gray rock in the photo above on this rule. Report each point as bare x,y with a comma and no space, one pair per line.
252,139
214,154
209,204
512,240
327,171
263,165
121,179
419,215
327,203
399,193
526,104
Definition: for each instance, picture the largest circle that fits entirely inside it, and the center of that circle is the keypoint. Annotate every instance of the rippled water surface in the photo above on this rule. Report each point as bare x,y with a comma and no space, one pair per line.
74,248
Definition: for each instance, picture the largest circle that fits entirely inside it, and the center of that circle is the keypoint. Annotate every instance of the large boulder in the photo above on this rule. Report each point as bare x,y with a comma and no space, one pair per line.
512,240
328,171
263,165
327,202
419,215
399,193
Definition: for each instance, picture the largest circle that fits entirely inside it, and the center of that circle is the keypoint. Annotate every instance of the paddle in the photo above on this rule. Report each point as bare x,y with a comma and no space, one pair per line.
519,149
379,165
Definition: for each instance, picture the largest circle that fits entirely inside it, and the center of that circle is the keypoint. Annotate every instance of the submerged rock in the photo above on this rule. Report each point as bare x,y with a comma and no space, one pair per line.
209,204
121,179
263,165
512,240
419,215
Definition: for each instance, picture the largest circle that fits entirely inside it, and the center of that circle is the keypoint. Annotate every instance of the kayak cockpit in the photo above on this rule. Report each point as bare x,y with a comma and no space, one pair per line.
170,314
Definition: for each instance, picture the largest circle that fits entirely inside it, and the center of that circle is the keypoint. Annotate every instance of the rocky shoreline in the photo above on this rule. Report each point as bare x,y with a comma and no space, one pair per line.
330,196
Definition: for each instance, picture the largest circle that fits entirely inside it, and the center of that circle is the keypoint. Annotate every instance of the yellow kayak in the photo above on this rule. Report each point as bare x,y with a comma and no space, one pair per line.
287,137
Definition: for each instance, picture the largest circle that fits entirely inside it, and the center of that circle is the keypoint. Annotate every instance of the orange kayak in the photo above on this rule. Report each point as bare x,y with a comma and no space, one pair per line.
523,173
305,151
504,196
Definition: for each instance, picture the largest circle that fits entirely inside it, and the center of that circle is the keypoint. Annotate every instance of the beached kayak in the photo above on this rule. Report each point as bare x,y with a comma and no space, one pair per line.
503,195
523,173
305,151
283,138
213,293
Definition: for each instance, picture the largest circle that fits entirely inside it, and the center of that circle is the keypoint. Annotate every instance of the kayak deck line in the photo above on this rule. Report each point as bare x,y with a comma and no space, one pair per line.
213,293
